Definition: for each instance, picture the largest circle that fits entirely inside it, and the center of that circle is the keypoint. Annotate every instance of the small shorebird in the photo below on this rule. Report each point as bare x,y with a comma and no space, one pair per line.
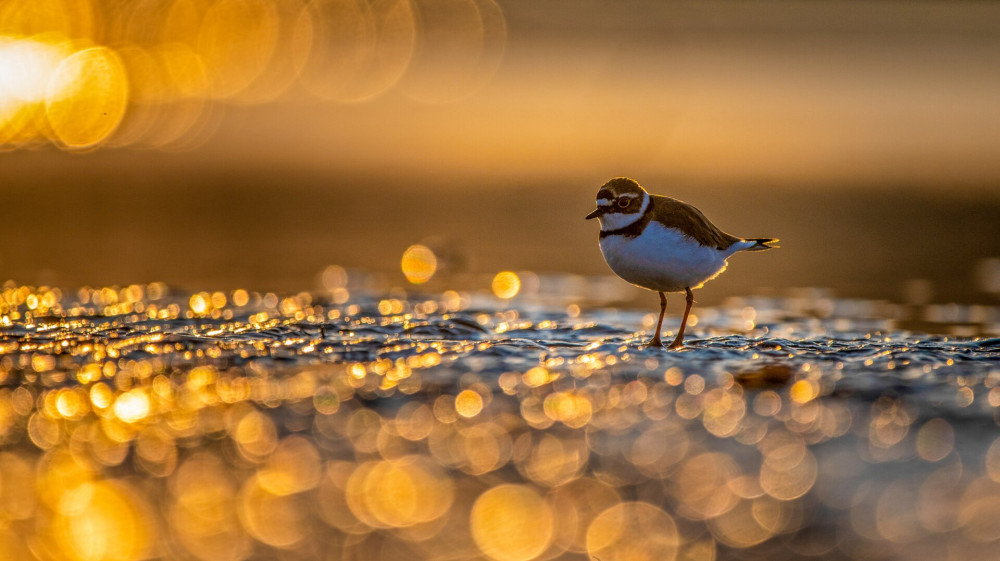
663,244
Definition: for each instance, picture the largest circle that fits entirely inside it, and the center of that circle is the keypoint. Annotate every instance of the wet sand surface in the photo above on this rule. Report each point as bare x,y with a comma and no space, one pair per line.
453,425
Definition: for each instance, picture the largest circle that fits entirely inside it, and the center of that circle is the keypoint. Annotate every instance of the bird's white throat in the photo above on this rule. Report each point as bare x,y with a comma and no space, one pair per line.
613,220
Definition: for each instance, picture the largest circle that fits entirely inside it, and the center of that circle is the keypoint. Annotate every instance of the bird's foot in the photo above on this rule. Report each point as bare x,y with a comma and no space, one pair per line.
654,343
676,345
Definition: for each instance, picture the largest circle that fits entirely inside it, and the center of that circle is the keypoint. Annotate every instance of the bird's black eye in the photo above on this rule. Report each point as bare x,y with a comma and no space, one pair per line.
623,202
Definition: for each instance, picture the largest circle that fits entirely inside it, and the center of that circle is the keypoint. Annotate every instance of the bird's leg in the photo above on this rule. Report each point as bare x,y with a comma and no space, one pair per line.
655,341
679,340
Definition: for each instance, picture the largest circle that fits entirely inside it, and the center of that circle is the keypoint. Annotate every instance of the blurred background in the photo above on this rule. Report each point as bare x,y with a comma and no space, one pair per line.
286,280
253,143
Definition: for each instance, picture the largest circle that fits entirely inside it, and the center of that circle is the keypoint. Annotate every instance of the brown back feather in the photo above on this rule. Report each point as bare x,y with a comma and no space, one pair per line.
682,216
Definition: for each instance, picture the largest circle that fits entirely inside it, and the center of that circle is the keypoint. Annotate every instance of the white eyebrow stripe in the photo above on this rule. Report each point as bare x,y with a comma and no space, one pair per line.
630,196
604,202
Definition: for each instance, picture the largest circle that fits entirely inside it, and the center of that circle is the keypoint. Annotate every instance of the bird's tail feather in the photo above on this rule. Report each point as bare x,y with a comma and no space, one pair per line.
760,244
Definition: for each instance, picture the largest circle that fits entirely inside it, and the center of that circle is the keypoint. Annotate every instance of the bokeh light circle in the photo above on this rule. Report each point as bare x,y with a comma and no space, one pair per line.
353,50
506,285
419,264
511,523
460,47
86,97
633,530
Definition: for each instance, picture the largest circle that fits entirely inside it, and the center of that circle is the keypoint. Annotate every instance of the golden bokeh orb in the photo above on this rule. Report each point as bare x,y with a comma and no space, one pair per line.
506,285
633,531
512,523
101,521
419,264
132,406
86,97
468,403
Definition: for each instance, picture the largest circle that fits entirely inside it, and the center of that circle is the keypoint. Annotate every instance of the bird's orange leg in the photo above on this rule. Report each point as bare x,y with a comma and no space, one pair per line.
655,341
679,340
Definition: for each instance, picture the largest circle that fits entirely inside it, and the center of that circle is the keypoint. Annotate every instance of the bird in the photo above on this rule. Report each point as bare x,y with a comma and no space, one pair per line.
663,244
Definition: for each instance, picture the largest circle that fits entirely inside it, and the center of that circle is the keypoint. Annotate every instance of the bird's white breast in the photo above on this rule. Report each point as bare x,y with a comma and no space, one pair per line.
662,259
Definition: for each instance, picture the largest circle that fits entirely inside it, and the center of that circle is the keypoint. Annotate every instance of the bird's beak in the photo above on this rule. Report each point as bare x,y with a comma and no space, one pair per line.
596,212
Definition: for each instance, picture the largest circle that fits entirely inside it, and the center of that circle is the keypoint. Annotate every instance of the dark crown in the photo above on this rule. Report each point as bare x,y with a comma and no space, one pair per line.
619,186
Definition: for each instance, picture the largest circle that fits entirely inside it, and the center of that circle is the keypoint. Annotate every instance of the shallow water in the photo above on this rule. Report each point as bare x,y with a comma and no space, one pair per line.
450,426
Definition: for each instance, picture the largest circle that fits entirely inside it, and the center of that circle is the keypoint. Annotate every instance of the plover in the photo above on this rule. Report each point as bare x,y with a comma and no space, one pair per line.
663,244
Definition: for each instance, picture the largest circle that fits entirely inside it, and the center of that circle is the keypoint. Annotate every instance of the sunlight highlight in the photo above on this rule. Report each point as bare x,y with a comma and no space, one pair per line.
51,88
88,74
26,66
132,406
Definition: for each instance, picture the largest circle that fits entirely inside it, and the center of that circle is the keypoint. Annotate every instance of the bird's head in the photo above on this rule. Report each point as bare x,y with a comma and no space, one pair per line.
620,202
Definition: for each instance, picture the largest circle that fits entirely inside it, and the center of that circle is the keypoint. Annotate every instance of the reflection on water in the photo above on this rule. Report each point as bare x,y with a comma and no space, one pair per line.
138,422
